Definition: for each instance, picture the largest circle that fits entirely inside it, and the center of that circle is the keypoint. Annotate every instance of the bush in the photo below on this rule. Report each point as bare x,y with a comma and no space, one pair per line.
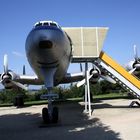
102,87
8,96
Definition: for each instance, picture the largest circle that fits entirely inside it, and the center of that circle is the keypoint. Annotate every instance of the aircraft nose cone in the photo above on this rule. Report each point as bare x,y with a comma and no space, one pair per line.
45,44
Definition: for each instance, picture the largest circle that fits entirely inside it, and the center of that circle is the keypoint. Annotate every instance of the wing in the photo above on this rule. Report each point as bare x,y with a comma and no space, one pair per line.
29,80
12,80
80,77
70,78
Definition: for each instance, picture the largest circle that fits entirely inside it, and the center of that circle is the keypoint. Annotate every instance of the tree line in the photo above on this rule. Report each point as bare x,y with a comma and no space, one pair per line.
102,87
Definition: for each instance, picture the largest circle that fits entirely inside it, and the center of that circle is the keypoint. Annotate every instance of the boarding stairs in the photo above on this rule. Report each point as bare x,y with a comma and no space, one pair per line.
87,45
119,74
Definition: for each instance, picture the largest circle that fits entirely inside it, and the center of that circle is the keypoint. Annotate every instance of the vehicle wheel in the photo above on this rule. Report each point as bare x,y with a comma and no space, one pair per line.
55,115
45,115
19,101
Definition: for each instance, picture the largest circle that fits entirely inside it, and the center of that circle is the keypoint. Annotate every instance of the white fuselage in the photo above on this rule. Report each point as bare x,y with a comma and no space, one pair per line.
49,47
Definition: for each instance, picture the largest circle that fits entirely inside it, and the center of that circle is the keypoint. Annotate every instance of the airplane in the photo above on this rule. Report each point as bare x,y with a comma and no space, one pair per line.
49,50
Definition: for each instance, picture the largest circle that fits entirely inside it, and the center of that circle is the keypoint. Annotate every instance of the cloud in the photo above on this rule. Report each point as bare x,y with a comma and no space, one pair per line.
18,54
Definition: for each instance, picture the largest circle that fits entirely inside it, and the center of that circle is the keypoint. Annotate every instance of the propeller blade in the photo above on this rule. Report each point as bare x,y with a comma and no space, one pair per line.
135,53
1,80
131,71
24,71
82,82
81,68
19,85
6,63
109,79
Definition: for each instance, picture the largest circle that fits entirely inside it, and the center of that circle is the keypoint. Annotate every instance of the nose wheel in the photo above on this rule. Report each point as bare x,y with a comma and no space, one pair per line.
55,115
50,114
45,115
50,118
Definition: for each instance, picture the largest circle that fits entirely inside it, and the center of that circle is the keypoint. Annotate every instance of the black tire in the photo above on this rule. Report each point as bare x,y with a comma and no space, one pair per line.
19,101
55,115
45,115
15,101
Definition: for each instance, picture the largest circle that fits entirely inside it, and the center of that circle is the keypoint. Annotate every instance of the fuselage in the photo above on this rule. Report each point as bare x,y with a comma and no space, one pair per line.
48,47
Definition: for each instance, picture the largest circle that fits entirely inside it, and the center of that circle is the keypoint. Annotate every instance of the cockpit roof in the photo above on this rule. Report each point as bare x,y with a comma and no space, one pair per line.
46,23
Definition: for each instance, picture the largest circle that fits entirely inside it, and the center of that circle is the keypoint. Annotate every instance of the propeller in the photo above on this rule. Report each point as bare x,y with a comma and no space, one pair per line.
91,72
136,64
8,74
95,71
131,71
19,85
82,82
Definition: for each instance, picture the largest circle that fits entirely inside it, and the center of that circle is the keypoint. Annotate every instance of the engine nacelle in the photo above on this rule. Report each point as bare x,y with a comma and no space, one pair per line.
130,66
95,75
137,66
133,64
6,79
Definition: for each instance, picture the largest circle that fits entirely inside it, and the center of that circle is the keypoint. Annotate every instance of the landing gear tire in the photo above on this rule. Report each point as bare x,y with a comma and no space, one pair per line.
19,101
55,113
45,115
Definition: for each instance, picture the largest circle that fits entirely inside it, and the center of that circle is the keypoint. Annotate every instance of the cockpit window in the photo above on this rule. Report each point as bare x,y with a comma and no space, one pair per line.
53,24
46,24
39,24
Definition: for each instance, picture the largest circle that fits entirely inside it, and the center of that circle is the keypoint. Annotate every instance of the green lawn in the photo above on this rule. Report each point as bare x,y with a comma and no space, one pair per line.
111,96
95,97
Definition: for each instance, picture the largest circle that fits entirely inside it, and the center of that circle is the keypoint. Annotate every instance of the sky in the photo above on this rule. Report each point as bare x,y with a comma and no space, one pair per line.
17,18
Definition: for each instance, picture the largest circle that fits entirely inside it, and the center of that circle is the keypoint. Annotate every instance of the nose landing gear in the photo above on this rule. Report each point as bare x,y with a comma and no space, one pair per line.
50,118
50,114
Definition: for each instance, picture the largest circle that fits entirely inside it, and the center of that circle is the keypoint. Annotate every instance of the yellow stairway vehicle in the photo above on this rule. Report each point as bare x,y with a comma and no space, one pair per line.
119,74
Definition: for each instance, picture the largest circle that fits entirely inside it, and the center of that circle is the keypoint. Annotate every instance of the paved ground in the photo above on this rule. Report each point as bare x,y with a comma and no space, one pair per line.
111,120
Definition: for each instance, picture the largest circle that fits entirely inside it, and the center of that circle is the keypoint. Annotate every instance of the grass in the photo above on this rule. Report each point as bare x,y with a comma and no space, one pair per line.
111,96
95,97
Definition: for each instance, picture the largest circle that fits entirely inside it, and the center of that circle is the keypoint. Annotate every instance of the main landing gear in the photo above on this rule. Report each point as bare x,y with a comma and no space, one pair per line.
50,114
19,101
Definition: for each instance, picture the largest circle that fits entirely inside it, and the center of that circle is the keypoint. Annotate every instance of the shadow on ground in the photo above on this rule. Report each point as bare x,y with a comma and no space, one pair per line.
101,105
73,124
